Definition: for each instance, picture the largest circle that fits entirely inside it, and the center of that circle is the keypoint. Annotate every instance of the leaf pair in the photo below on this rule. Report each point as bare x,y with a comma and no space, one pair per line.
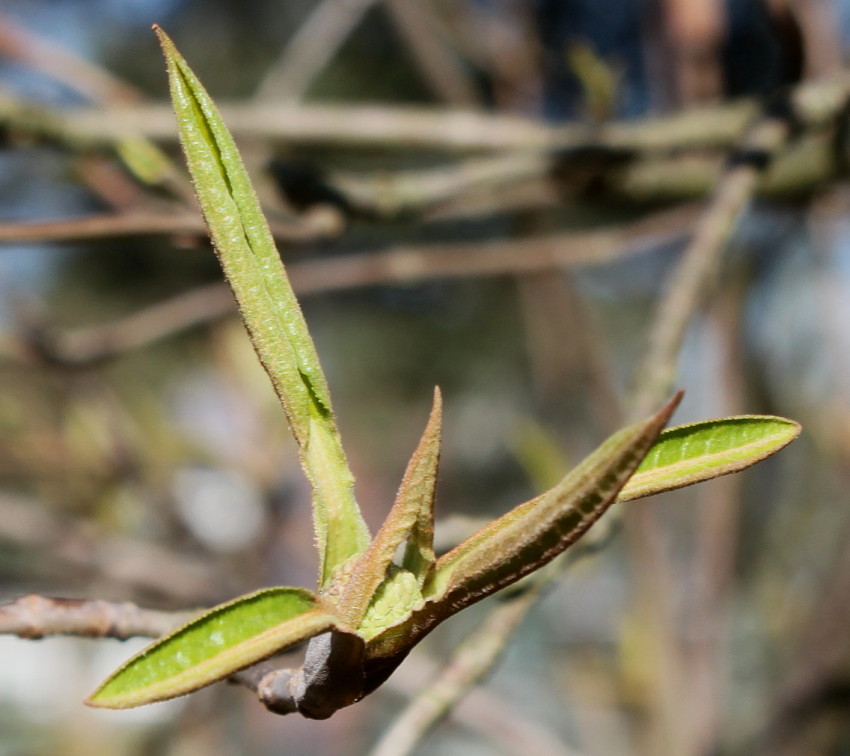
370,609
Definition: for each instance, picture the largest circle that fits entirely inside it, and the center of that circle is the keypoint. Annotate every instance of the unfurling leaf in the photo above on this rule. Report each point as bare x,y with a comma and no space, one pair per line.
222,641
251,263
695,452
528,536
410,523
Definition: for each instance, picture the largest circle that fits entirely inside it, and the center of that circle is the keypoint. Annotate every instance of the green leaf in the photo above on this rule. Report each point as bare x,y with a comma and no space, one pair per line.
253,268
692,453
528,536
222,641
410,522
395,599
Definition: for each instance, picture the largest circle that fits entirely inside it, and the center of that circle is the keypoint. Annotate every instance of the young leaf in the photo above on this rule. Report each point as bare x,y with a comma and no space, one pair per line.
692,453
268,306
410,522
222,641
528,536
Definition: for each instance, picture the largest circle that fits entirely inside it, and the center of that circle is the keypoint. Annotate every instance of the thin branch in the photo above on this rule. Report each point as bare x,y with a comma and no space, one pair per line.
404,265
691,280
126,561
78,74
485,712
689,285
311,49
322,224
815,105
102,87
35,617
687,289
473,659
441,69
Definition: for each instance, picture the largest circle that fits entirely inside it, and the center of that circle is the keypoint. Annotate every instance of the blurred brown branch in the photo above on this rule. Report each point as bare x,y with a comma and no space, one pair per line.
36,616
121,561
401,265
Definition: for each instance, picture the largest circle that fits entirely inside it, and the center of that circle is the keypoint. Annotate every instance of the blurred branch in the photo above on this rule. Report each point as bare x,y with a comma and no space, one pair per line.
483,711
709,604
78,74
691,280
469,663
35,617
814,103
311,48
440,68
402,265
144,160
688,286
322,224
126,561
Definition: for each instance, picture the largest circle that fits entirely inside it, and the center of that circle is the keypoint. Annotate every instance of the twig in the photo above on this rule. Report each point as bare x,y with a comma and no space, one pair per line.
708,605
84,346
102,87
35,617
470,662
313,227
485,712
686,290
311,49
441,69
691,280
80,75
815,104
145,566
688,286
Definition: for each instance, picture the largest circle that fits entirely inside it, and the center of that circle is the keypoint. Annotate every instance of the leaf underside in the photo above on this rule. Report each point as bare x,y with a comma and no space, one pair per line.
222,641
271,313
688,454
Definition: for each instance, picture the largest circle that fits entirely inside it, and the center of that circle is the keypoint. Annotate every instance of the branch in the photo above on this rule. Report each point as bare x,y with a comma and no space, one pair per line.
688,288
402,265
143,565
690,283
311,48
440,67
35,617
815,105
473,659
78,74
312,227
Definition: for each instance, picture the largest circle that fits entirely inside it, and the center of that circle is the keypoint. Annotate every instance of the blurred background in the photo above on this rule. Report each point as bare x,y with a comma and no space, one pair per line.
487,195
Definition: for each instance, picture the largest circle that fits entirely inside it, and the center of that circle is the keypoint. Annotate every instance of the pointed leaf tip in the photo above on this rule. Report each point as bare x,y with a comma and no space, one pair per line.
211,647
410,523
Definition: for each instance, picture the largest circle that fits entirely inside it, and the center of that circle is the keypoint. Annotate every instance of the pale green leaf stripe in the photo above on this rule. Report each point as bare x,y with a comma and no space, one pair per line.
692,453
268,306
222,641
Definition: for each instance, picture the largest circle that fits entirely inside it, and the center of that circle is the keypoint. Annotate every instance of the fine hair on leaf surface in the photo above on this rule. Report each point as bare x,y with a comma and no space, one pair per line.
268,306
376,598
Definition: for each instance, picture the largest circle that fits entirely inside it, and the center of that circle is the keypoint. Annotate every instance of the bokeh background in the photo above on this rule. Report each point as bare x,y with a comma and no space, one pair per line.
144,458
